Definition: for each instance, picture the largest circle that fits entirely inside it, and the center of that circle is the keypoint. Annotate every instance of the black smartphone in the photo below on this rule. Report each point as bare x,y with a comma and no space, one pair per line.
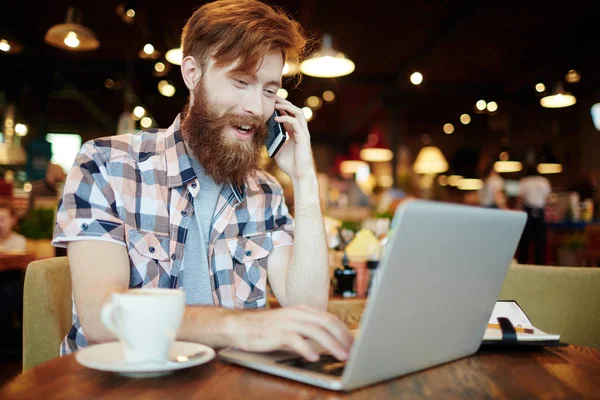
276,135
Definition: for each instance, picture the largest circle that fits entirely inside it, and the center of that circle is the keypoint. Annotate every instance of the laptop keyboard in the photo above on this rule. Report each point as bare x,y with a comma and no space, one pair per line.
327,364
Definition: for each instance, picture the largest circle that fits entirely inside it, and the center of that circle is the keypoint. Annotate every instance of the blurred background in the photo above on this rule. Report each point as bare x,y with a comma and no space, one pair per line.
405,99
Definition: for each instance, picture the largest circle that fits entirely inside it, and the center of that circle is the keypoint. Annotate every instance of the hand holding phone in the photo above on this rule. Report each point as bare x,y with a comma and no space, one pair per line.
276,135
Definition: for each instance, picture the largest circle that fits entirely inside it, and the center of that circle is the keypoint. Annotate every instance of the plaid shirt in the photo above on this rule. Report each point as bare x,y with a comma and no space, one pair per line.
137,190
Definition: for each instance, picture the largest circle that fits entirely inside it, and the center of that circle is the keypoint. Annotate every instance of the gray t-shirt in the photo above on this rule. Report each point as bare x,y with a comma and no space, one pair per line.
195,276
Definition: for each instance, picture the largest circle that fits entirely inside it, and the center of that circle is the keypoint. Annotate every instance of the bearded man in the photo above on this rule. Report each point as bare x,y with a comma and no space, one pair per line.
187,207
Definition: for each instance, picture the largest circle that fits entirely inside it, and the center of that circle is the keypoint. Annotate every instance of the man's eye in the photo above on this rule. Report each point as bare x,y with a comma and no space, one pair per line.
242,82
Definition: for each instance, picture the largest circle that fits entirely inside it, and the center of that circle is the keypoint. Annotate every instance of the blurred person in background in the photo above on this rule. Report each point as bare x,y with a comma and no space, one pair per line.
491,195
9,240
534,191
45,191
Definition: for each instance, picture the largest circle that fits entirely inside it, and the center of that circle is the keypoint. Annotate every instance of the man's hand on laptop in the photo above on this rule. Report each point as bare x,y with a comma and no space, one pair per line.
293,329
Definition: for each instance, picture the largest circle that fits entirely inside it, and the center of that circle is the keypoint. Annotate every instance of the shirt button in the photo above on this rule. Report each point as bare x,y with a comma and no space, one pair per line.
194,185
84,226
248,253
184,213
152,249
173,256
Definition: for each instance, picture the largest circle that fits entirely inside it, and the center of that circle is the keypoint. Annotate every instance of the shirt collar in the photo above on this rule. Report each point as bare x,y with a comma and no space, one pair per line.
179,167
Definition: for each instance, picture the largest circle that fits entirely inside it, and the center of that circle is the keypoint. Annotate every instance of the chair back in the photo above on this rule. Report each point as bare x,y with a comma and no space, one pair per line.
47,309
563,300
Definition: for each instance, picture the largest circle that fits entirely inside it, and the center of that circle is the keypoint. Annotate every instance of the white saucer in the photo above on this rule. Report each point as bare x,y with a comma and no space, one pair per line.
109,357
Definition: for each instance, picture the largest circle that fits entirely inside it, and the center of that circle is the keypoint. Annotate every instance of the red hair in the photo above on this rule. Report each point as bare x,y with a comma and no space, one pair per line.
229,30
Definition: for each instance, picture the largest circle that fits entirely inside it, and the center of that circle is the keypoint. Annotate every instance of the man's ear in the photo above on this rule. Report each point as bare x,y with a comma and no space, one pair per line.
191,72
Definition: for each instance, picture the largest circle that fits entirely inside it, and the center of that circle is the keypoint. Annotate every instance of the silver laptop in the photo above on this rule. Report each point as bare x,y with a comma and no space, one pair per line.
439,279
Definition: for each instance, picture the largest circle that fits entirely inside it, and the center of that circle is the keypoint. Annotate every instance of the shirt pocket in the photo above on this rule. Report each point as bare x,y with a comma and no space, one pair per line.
250,255
149,258
149,244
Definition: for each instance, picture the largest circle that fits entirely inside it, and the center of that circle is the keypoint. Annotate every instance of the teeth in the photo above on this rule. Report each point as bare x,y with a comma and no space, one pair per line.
246,127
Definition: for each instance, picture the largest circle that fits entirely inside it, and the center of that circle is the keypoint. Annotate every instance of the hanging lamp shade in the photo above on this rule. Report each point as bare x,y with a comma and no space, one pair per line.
548,163
175,56
327,62
9,44
558,99
506,163
376,150
352,163
72,35
430,160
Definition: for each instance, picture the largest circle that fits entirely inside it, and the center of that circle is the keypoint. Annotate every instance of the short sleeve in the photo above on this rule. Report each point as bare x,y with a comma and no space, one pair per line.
87,209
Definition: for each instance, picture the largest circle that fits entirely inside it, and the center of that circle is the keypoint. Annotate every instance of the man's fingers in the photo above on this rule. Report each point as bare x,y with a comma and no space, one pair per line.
299,345
325,320
321,337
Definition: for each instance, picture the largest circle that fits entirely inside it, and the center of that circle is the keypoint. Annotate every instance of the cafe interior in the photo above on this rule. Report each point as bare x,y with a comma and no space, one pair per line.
457,102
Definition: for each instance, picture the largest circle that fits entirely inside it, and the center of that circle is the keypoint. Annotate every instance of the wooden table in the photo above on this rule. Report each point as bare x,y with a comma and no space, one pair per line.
558,372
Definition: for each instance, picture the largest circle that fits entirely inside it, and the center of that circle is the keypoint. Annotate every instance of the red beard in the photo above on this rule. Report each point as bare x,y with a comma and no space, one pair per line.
226,159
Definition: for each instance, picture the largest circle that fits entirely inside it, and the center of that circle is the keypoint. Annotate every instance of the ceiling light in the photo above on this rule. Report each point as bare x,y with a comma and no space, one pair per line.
314,102
139,112
166,88
573,76
506,164
448,128
328,96
327,63
454,180
282,93
416,78
72,40
558,99
308,113
470,184
544,168
290,68
465,119
72,35
10,45
540,87
148,52
481,104
492,106
174,56
159,67
148,48
146,122
21,129
126,13
376,150
352,166
548,162
430,160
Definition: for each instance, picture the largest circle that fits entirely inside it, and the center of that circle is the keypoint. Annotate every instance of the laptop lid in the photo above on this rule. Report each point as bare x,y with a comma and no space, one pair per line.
443,269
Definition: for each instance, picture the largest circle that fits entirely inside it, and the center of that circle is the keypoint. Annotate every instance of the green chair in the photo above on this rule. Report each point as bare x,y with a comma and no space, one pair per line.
563,300
46,309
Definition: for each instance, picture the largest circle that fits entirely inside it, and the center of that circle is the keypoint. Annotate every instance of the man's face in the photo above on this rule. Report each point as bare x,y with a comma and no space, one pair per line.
225,126
6,222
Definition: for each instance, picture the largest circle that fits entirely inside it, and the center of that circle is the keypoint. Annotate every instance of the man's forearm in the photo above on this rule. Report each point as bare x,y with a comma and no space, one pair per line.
213,326
307,280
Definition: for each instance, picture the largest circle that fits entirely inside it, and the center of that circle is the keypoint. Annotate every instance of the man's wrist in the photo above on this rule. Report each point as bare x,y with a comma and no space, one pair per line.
306,189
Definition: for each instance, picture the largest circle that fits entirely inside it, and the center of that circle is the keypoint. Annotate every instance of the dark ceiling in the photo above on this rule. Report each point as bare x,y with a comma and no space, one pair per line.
466,50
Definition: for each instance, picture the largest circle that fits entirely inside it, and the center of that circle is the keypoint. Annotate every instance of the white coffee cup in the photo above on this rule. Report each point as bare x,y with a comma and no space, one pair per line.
145,321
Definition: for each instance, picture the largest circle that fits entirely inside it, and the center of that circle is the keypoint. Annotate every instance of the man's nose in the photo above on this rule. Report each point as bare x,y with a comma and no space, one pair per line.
253,103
